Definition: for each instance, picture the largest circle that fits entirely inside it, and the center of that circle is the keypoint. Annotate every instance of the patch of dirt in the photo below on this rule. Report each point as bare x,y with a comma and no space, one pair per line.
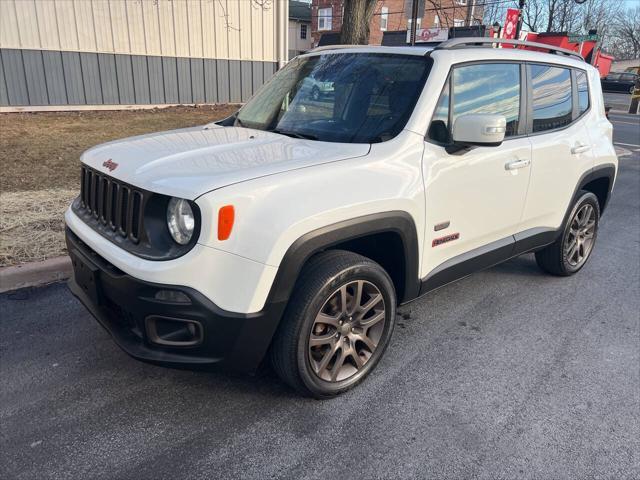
42,150
40,155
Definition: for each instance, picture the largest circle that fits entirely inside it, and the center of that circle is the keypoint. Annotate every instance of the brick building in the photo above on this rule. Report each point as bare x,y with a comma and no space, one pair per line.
394,15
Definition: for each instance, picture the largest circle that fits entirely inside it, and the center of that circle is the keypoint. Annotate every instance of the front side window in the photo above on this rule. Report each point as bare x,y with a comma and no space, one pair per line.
324,18
347,97
384,18
492,88
583,91
552,105
303,31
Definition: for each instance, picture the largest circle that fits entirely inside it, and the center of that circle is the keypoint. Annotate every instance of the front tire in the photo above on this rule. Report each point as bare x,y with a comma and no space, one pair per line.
337,324
570,252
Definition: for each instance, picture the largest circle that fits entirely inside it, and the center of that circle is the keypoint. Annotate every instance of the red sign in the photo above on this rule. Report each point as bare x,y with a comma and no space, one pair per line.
511,23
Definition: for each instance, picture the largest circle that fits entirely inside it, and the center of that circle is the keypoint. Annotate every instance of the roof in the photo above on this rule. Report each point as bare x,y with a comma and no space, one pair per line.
299,11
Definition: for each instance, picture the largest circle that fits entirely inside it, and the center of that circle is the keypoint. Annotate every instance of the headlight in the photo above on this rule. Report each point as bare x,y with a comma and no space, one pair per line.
180,220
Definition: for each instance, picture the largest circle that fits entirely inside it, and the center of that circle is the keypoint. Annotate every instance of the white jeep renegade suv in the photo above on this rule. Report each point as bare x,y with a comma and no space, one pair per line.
294,228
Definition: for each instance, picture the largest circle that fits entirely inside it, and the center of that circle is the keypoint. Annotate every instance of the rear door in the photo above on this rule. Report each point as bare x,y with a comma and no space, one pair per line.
475,199
562,150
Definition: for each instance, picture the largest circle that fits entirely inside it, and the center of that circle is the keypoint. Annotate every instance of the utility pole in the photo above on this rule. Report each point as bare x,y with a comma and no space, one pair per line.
520,19
414,21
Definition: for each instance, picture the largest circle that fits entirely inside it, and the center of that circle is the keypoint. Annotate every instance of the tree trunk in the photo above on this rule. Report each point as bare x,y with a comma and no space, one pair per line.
355,23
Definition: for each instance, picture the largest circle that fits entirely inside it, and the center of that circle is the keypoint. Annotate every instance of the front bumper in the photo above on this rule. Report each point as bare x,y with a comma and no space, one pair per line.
129,310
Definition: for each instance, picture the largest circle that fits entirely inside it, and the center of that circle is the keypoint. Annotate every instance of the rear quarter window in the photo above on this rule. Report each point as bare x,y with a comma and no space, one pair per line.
583,92
552,104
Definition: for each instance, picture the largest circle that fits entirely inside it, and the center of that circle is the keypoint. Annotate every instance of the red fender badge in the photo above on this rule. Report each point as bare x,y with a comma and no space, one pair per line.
445,239
110,164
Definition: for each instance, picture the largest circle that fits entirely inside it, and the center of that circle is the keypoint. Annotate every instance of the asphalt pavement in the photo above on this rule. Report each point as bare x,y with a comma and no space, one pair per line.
509,373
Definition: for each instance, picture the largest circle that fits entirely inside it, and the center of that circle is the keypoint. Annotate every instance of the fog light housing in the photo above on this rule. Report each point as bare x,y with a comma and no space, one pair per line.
172,296
173,332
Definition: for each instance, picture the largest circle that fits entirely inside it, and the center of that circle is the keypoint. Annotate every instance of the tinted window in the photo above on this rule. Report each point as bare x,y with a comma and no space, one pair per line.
488,88
627,77
551,97
483,88
583,91
348,97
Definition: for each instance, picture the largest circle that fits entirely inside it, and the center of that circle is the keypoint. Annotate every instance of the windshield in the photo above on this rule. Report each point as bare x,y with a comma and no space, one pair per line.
345,97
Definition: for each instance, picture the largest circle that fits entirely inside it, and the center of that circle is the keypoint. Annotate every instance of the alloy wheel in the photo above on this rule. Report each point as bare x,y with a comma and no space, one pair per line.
346,331
581,236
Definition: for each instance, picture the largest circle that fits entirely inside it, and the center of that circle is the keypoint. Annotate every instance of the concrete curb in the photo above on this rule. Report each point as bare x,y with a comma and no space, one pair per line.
35,274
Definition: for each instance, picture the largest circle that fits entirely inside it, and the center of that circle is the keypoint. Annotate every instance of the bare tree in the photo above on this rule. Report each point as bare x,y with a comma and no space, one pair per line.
533,14
355,22
624,39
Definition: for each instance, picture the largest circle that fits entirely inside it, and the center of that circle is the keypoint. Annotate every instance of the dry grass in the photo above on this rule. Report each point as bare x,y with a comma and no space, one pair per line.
32,225
40,159
42,150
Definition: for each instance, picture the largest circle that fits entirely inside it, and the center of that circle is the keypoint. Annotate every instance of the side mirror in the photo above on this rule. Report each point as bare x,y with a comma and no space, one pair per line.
479,129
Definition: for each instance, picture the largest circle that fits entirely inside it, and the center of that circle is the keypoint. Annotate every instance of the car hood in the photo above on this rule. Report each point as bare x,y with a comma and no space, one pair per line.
189,162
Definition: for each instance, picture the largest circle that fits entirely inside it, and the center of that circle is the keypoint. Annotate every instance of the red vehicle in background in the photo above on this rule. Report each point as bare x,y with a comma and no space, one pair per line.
585,45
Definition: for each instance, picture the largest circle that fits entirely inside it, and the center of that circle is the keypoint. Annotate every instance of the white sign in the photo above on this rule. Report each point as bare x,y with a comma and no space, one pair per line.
429,35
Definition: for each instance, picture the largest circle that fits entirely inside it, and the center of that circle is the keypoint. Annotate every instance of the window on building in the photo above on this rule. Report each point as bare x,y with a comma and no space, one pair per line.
458,23
418,23
436,21
324,18
583,91
483,88
303,31
461,2
552,107
384,18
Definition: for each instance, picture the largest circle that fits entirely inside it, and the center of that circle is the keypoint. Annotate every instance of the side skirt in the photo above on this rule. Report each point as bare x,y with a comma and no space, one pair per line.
487,256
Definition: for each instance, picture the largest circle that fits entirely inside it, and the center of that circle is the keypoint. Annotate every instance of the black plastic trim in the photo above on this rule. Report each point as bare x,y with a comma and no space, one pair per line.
122,303
608,171
324,238
487,256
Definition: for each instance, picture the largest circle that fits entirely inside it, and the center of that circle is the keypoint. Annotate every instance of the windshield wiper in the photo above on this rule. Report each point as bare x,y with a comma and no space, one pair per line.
306,136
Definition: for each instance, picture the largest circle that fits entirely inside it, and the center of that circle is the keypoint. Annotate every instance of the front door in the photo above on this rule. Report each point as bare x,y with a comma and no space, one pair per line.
475,199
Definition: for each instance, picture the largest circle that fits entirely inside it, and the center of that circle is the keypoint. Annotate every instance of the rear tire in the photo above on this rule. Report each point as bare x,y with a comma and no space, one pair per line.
570,252
336,326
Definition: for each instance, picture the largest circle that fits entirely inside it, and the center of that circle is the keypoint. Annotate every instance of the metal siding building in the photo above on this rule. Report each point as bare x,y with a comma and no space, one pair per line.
137,52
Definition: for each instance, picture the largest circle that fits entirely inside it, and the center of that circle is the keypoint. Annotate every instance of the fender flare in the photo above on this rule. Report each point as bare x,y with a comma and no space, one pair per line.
606,170
305,247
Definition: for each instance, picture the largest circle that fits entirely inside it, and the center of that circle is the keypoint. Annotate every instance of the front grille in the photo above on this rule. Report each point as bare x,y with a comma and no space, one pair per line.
114,204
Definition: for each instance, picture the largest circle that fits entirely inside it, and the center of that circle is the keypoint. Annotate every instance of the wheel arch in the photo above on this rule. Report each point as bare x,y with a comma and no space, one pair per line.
598,181
395,229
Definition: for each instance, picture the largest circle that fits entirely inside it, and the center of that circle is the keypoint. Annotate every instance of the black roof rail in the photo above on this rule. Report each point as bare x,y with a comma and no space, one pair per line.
481,41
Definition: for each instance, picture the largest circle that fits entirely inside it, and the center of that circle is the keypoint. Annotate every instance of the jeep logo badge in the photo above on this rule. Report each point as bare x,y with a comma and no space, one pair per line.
110,164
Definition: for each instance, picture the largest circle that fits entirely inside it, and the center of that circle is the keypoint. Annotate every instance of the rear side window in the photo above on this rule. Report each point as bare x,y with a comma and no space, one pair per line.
552,105
583,92
482,88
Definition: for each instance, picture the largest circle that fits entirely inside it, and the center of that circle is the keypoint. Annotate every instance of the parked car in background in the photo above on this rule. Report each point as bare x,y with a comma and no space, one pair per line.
619,82
316,88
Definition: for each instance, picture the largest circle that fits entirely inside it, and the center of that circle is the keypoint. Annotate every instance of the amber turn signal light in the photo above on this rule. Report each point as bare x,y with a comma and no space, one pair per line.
226,215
